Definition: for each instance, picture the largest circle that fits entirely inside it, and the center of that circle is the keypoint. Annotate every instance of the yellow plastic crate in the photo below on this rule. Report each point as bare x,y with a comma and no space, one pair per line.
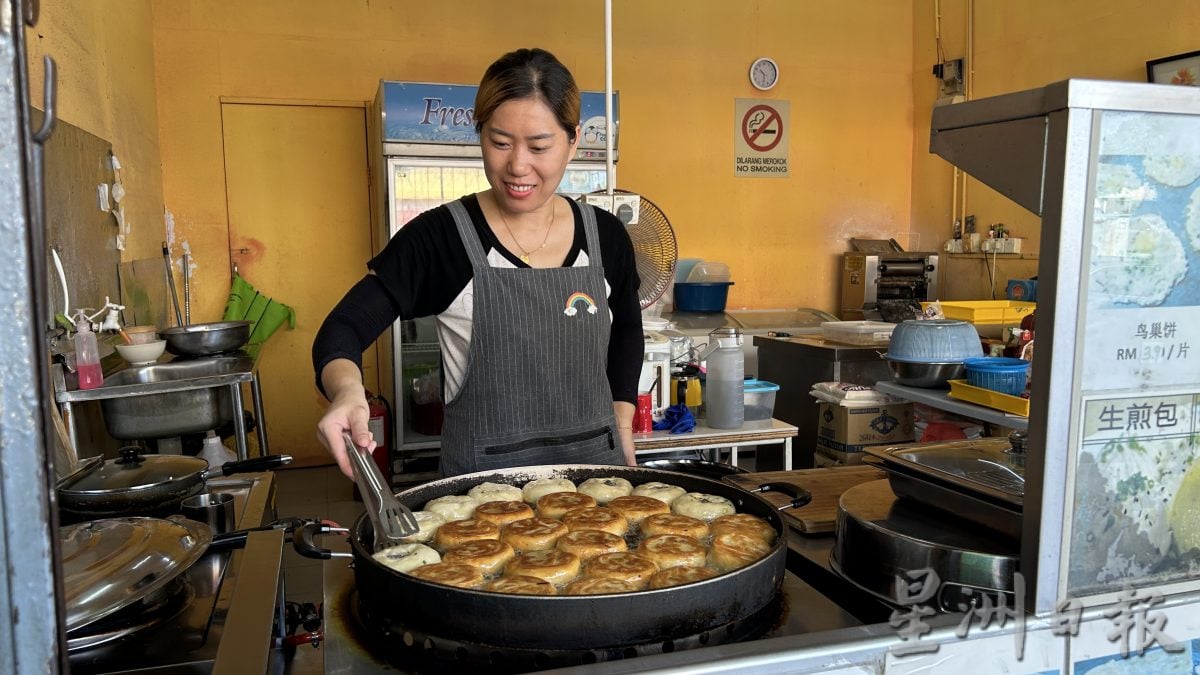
962,391
1006,312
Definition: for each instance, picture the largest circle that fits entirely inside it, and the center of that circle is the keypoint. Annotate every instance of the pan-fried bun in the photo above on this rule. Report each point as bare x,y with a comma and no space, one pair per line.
705,507
635,508
539,487
744,523
503,513
597,586
555,504
522,585
663,492
731,550
556,567
676,576
673,550
606,489
461,531
451,574
596,518
590,543
452,507
495,492
407,557
533,534
629,567
428,522
670,523
489,556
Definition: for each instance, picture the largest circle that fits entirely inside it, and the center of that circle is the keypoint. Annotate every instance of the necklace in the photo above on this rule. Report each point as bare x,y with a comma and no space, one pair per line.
525,254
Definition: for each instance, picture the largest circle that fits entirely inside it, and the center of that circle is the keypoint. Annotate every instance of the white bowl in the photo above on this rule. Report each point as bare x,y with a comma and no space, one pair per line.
139,355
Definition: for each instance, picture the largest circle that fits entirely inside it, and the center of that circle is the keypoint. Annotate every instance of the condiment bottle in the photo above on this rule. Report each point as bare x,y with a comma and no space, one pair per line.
724,395
87,354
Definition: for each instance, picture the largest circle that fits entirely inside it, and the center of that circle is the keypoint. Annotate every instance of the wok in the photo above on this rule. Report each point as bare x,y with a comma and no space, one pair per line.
562,622
204,339
695,467
136,484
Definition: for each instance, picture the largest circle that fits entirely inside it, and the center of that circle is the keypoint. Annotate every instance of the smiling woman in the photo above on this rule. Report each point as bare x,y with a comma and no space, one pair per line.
497,269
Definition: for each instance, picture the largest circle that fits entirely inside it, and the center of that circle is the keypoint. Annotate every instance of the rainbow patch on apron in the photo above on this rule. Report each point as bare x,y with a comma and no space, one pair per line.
572,310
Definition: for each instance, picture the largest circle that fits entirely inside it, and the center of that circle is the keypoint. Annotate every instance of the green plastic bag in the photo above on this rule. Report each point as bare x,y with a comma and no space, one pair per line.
264,314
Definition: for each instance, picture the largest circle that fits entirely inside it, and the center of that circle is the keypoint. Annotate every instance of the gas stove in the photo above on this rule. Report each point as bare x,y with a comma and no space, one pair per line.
193,626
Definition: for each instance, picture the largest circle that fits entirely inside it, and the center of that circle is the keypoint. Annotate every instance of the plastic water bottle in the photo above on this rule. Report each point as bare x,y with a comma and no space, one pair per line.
724,393
87,354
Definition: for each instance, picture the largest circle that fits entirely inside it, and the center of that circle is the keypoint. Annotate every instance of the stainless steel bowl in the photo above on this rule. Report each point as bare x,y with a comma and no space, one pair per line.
202,339
925,375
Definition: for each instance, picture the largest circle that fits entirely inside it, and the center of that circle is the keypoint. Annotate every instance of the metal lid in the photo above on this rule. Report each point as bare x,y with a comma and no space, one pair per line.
134,472
110,564
986,465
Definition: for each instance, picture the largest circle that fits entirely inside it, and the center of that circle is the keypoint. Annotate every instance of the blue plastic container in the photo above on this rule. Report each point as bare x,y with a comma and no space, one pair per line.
1024,290
702,297
1002,374
760,399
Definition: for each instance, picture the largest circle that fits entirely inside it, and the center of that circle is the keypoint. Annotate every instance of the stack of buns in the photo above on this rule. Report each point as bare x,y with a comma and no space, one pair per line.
551,537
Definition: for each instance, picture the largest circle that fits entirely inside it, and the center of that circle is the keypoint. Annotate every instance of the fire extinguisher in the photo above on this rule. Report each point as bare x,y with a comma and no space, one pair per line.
380,426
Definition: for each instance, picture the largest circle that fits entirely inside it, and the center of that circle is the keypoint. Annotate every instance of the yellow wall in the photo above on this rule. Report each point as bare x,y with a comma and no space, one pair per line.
104,50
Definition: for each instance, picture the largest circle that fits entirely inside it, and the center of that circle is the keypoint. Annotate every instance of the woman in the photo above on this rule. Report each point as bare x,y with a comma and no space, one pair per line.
535,298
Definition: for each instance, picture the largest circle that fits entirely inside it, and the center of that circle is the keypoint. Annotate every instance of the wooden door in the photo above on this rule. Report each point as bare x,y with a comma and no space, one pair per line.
299,231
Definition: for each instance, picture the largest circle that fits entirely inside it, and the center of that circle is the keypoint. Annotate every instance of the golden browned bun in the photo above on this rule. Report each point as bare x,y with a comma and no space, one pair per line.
606,489
673,550
522,585
670,523
636,508
556,567
486,555
495,492
427,523
733,550
407,557
503,513
676,576
538,487
702,506
451,574
596,518
629,567
661,491
533,534
597,586
744,523
591,543
452,507
555,504
461,531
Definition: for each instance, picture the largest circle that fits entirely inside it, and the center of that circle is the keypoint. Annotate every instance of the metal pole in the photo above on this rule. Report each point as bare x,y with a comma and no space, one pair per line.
609,164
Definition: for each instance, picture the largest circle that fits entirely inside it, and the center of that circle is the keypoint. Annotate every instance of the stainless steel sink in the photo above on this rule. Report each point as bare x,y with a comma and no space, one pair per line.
198,397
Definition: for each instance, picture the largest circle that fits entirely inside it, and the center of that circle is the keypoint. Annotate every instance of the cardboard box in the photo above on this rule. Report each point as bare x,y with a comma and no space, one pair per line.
851,429
825,457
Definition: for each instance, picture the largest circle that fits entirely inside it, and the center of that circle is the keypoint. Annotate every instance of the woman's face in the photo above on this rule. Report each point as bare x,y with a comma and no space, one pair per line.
525,154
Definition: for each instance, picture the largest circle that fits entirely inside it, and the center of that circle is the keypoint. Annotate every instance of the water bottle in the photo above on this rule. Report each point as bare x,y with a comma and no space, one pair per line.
724,395
87,354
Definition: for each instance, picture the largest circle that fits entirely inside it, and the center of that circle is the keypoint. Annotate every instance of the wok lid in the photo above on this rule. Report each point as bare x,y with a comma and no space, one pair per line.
110,564
132,472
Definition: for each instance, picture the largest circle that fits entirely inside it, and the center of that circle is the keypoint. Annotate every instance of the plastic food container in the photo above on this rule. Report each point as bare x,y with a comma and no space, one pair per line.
701,297
760,399
934,341
857,332
1002,374
708,272
987,311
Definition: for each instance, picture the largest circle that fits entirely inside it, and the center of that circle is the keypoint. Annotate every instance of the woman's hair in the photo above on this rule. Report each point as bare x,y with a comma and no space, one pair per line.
529,74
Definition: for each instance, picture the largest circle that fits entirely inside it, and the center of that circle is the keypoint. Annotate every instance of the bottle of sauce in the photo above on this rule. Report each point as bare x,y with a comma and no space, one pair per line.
87,354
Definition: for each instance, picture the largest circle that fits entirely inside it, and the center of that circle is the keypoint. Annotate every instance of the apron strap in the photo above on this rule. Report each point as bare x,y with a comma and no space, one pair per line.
470,238
591,234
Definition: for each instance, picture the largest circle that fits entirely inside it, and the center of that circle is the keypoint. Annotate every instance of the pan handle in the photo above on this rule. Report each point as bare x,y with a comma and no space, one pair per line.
264,463
799,495
227,541
303,541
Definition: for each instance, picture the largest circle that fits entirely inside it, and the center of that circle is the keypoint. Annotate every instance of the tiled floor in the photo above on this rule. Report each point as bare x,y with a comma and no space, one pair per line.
319,492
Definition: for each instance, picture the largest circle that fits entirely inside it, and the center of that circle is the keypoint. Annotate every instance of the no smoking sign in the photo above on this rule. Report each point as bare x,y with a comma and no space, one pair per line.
760,148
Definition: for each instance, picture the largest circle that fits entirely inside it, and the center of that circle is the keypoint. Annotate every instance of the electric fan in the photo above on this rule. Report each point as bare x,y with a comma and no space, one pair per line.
654,247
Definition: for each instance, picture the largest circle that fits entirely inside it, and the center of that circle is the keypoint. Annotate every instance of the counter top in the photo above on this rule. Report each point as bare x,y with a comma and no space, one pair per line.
940,399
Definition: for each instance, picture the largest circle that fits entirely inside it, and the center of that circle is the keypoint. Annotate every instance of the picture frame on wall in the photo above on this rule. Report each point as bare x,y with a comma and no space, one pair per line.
1179,69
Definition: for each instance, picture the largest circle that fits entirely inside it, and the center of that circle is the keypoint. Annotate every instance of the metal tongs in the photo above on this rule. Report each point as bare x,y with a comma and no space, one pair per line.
390,519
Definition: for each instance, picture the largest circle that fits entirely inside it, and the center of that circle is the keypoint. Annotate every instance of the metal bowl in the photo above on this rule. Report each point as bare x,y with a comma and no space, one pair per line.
202,339
925,375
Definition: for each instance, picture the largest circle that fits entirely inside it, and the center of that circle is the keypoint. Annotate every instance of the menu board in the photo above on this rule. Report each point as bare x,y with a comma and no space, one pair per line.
1136,515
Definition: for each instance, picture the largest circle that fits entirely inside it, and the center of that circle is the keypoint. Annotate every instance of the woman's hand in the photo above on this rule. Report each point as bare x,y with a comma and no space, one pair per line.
348,412
623,412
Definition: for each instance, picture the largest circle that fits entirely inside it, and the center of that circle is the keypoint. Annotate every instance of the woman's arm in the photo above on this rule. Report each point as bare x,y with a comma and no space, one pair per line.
624,413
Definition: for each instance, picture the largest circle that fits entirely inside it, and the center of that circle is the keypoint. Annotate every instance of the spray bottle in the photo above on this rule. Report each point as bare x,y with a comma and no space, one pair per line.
87,354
